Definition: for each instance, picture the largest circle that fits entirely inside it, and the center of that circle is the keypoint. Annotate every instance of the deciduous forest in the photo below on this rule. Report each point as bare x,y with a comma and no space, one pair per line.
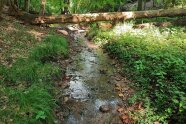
92,61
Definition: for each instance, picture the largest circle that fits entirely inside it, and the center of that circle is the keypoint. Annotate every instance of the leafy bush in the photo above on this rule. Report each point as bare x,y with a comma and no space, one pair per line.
157,60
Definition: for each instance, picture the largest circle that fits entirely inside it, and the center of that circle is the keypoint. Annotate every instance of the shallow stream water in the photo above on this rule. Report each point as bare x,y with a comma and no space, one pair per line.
91,85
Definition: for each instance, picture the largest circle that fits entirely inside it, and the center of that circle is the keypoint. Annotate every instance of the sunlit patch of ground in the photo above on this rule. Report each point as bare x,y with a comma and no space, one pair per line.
38,35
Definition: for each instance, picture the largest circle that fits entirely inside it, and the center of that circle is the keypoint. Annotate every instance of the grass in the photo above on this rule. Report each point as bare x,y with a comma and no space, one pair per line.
51,48
156,59
26,82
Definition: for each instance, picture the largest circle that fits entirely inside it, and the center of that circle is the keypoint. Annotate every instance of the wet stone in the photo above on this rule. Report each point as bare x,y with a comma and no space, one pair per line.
66,99
104,108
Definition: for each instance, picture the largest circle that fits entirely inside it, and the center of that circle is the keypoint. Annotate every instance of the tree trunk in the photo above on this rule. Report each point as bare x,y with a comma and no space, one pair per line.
140,5
153,3
16,3
43,6
1,6
110,16
144,4
66,7
27,5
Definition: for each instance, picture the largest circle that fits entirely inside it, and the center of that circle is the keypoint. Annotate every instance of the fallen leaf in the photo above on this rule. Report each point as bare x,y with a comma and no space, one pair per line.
120,110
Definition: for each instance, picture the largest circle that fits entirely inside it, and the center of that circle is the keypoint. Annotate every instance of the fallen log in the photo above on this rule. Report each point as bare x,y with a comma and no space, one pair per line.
110,16
179,22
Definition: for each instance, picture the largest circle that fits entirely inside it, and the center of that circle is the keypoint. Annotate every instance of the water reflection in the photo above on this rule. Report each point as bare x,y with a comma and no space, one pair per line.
89,89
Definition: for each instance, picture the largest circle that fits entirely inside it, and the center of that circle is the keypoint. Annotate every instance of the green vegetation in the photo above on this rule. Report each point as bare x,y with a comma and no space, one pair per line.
156,60
80,6
26,86
51,48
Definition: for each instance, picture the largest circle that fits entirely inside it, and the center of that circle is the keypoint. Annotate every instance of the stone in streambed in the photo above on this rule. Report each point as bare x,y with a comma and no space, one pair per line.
63,32
104,108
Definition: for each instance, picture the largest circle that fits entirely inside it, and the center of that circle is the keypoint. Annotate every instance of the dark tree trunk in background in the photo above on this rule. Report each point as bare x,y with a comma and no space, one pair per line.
153,3
66,7
1,7
20,2
144,4
140,5
27,5
16,3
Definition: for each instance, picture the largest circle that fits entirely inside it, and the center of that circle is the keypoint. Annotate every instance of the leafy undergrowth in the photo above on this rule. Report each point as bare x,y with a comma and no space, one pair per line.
156,60
26,83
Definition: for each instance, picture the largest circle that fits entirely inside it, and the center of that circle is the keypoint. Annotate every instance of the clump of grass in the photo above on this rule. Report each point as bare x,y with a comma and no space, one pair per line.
52,47
157,60
29,105
29,99
31,71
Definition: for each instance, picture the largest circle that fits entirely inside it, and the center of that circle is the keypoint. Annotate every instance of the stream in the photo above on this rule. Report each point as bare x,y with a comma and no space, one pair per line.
91,76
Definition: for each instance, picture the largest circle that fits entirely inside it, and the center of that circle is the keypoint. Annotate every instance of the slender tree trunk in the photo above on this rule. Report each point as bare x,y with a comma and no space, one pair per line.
27,5
16,3
153,3
1,7
144,4
110,16
140,5
61,7
43,7
20,2
66,7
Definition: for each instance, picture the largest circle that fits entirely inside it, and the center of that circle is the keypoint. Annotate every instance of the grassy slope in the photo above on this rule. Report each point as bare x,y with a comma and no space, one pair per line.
156,59
27,71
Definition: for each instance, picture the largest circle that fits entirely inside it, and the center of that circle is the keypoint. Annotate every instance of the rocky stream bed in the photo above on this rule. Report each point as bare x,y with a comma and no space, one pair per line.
93,91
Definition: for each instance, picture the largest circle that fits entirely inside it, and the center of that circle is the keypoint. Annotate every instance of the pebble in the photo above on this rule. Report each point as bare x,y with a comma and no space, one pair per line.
104,108
66,99
63,32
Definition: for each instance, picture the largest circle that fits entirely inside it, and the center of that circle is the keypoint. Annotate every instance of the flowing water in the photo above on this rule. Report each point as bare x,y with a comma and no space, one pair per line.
91,85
